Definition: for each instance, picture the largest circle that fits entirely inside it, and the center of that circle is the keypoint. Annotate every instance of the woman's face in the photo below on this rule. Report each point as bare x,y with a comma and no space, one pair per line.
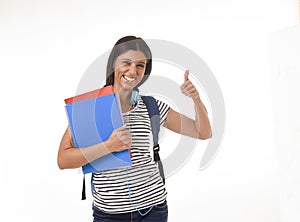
129,69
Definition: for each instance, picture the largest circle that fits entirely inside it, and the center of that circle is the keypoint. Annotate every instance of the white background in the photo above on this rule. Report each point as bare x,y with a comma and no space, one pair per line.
45,48
285,57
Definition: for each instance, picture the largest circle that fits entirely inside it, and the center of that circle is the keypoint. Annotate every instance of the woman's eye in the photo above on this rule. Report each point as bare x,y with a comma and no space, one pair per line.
141,65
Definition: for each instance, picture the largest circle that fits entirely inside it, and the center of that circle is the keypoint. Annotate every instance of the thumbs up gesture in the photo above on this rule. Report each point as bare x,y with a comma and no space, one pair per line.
188,88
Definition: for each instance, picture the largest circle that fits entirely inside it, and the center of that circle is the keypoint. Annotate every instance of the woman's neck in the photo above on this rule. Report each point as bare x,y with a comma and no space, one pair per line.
124,96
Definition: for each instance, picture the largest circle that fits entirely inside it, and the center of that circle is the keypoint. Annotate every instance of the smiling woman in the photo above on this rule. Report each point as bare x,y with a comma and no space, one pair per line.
137,192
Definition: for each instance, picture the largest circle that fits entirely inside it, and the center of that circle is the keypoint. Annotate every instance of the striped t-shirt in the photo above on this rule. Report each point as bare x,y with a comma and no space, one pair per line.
139,186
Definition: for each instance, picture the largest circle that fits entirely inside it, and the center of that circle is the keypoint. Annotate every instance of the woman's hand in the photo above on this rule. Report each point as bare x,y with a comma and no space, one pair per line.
188,88
119,140
199,127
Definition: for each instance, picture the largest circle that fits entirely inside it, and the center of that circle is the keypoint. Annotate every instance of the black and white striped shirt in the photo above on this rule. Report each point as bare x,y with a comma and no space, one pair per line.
111,187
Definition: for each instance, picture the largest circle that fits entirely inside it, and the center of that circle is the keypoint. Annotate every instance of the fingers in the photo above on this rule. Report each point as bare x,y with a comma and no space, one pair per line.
122,138
190,91
187,86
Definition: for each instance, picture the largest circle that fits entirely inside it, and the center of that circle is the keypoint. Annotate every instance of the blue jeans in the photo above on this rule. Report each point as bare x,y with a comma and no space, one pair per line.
159,213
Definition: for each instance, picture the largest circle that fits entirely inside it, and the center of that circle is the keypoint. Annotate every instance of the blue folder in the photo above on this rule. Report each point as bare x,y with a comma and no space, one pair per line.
92,121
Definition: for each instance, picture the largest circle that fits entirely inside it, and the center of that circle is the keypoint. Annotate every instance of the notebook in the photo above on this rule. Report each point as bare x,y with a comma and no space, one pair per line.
92,118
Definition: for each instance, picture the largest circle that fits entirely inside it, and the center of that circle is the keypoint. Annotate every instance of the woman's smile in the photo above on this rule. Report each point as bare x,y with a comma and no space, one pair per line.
127,78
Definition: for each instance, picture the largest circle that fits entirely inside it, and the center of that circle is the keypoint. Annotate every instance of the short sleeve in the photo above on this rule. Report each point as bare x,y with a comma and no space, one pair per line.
163,110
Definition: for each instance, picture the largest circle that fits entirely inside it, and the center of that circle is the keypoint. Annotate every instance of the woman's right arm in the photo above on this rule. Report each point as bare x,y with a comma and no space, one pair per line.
71,157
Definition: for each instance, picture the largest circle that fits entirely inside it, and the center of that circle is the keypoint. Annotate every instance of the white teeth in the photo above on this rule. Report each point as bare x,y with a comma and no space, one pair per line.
128,78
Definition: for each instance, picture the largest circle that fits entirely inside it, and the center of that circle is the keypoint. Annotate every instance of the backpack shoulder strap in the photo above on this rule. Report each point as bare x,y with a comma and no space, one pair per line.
154,114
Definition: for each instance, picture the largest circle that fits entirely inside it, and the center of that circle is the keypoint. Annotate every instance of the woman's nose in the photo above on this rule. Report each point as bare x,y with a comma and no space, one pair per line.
132,69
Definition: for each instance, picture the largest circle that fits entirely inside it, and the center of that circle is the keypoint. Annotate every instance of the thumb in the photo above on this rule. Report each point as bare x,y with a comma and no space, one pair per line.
186,75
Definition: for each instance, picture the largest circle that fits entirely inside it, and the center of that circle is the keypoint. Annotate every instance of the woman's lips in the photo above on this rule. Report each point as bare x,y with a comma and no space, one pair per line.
127,78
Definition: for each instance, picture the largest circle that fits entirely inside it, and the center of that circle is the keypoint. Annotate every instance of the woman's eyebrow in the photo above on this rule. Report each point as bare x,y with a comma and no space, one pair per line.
126,59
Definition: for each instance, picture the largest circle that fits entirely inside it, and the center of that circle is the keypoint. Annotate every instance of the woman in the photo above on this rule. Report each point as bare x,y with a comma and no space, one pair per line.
137,192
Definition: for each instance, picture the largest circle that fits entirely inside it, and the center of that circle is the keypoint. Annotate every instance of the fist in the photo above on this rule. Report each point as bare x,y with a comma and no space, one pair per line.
119,140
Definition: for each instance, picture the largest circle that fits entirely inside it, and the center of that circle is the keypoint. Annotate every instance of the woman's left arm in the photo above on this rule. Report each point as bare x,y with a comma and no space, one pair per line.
200,127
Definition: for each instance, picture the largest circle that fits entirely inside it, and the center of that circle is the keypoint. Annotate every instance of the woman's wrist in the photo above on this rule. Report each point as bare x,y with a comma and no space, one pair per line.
107,146
197,100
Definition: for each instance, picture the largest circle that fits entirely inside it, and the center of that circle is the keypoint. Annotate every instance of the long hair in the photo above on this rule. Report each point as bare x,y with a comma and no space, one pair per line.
122,46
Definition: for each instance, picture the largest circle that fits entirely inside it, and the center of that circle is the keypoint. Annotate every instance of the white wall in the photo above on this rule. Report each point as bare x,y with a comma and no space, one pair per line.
46,46
285,57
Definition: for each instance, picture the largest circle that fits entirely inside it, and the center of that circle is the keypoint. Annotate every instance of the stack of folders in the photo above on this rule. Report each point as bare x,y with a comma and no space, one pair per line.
92,118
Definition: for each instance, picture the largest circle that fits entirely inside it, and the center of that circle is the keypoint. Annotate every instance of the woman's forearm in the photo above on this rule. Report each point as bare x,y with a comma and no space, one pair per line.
202,123
76,157
70,157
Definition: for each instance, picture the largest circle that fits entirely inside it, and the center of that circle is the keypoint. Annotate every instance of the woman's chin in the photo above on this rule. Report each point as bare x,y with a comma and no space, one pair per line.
129,85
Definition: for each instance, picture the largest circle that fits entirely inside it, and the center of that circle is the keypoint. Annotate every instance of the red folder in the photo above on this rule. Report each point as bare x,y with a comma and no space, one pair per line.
92,94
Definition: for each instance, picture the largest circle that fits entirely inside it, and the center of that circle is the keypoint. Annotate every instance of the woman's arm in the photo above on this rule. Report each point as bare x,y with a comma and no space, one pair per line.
71,157
200,127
